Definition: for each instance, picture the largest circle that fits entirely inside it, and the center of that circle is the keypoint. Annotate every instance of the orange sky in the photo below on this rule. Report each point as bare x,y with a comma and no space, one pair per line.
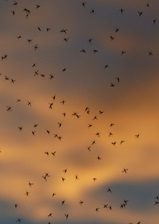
86,152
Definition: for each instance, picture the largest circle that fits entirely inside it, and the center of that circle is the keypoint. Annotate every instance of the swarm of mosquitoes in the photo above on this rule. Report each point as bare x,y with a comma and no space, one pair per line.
27,13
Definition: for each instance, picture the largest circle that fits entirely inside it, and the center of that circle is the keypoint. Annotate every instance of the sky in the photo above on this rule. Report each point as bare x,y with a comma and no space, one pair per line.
79,90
